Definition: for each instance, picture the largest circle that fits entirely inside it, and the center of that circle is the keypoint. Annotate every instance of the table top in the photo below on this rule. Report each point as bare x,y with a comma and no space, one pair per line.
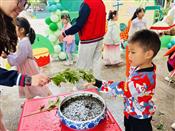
49,121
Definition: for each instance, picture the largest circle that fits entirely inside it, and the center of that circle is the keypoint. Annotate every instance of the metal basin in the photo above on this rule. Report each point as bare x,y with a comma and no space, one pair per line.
82,110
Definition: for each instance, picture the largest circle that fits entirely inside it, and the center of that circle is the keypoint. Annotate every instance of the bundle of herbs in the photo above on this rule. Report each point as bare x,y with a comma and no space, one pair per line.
72,76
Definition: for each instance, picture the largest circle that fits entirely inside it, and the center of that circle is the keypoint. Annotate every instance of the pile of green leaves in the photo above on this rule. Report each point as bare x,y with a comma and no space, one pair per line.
72,76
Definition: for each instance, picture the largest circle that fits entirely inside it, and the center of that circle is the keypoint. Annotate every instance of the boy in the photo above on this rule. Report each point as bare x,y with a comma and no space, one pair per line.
138,90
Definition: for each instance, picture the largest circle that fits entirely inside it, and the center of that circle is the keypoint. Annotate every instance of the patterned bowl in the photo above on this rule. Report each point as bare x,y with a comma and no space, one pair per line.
82,110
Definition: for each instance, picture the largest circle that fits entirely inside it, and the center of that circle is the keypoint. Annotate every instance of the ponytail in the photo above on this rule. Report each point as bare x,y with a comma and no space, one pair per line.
31,35
134,16
112,14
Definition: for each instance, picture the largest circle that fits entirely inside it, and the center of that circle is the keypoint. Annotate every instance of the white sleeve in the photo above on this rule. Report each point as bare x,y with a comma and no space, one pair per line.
20,56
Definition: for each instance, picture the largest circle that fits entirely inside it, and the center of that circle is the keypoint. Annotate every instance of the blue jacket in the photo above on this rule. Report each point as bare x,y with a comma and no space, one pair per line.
11,78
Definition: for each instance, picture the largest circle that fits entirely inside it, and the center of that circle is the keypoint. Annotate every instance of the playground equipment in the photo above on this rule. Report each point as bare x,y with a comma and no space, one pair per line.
158,15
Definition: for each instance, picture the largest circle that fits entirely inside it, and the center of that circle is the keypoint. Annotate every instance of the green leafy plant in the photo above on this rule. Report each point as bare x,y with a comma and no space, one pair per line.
72,76
86,75
160,126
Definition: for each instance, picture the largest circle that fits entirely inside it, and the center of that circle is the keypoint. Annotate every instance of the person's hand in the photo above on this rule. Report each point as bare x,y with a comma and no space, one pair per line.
89,85
172,57
40,80
3,55
61,37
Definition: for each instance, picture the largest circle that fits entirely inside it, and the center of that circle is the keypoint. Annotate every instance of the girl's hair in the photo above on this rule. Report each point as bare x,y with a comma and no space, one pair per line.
22,22
8,37
112,14
66,16
138,10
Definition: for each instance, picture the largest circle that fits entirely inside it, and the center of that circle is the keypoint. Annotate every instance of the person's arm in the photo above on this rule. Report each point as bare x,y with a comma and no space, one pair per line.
172,56
109,87
80,21
131,30
20,56
137,86
11,78
145,22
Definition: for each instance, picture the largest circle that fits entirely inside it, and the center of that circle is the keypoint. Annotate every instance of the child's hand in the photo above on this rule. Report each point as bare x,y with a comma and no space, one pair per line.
61,37
88,85
173,56
40,80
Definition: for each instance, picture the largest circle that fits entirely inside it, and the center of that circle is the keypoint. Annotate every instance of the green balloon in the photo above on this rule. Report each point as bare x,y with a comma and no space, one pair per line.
48,21
169,45
53,26
165,40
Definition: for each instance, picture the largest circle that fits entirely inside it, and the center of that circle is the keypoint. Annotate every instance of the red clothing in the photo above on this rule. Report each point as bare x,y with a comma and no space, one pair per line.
171,60
94,28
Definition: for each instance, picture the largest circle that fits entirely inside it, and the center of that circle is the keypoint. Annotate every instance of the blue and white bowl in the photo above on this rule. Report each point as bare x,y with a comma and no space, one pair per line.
82,125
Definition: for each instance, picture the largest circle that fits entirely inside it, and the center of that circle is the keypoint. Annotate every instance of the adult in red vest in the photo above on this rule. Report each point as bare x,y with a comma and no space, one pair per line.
91,28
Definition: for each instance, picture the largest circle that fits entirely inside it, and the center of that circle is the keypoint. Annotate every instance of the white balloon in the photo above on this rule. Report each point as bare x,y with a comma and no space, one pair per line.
62,55
58,42
51,32
58,12
57,48
60,26
53,13
59,19
57,33
47,31
54,18
52,38
57,1
55,56
65,12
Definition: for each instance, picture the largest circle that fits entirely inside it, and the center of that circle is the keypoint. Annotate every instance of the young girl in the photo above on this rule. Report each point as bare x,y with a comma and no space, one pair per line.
68,41
23,59
111,52
137,21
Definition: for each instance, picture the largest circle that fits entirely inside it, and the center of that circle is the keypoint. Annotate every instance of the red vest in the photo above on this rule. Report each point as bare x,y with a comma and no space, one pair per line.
94,27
